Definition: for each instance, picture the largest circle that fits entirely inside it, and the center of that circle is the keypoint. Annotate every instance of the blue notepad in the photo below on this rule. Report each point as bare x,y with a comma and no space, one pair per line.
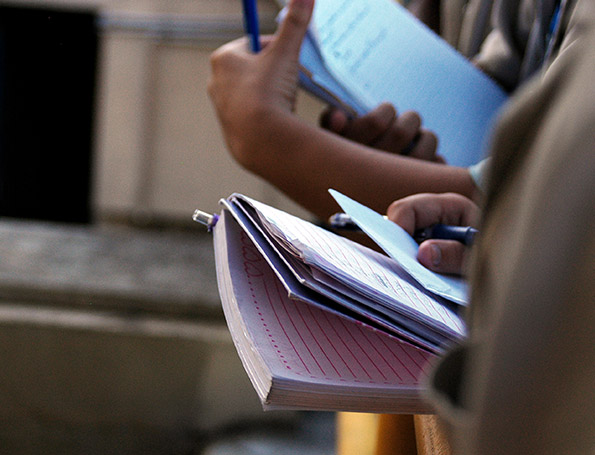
359,53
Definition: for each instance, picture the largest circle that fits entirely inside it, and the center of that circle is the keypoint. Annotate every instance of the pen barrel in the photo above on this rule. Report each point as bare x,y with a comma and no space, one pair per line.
251,24
463,234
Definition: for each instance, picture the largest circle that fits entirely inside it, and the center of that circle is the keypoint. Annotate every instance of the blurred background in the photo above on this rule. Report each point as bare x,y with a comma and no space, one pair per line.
112,339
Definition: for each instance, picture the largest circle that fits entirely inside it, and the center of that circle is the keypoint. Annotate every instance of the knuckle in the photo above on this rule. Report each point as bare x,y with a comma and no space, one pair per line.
217,59
393,209
396,208
373,123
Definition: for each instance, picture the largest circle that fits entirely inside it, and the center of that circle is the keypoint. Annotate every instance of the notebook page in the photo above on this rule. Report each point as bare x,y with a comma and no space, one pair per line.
315,78
368,271
300,285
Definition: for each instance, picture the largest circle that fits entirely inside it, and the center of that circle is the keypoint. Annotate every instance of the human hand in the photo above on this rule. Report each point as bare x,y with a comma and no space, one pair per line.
424,210
248,90
383,129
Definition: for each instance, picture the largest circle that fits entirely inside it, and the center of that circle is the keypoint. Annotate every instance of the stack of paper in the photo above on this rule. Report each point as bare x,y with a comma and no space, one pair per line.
400,246
299,356
372,287
321,322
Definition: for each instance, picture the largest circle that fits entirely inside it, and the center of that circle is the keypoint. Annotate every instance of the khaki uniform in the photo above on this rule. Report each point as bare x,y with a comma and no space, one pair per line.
524,381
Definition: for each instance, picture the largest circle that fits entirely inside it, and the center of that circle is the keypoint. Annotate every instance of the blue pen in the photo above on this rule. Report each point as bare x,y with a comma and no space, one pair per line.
251,23
463,234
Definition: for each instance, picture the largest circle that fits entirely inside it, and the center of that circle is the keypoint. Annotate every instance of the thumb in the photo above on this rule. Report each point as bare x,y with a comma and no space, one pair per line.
442,256
294,27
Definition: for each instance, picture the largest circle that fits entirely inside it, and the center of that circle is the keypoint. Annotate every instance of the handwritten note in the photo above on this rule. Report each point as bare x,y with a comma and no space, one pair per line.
377,51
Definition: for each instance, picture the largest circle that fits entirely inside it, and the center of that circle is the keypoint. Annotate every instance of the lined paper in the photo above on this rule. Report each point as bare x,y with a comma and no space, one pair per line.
371,273
399,245
300,356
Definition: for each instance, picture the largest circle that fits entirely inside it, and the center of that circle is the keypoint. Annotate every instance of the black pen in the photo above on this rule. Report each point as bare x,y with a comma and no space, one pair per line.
463,234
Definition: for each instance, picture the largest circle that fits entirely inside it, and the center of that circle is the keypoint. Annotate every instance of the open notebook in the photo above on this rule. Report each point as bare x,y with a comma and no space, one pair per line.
306,338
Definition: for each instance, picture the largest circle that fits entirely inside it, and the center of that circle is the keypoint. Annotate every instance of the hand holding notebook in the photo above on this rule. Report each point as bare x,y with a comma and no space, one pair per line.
360,53
321,322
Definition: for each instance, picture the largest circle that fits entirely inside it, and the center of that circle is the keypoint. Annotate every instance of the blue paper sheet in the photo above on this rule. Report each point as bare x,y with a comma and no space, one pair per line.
372,51
400,246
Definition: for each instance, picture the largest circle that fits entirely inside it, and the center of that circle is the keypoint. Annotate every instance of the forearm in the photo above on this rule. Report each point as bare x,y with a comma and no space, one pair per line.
254,95
304,161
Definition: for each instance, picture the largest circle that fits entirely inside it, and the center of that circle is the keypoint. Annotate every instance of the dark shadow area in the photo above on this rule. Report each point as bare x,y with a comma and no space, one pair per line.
47,84
312,433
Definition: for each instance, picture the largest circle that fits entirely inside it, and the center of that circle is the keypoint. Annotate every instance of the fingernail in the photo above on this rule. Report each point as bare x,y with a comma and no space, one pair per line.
430,255
436,255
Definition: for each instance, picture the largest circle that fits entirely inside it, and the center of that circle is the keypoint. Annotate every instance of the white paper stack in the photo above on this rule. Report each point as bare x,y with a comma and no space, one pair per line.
299,356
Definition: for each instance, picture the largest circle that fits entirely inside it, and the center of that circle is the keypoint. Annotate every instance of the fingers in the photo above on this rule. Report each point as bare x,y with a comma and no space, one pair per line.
365,129
423,210
409,138
400,135
424,146
293,28
334,120
408,126
443,256
370,127
221,56
383,129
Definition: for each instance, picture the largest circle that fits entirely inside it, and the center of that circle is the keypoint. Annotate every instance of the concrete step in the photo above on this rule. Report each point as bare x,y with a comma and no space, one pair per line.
157,271
113,341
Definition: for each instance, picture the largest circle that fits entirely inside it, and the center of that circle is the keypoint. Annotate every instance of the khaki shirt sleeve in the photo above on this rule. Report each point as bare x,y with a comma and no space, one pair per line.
523,381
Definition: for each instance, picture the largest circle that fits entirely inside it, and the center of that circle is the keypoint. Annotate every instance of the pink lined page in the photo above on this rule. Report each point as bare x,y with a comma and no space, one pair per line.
299,341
